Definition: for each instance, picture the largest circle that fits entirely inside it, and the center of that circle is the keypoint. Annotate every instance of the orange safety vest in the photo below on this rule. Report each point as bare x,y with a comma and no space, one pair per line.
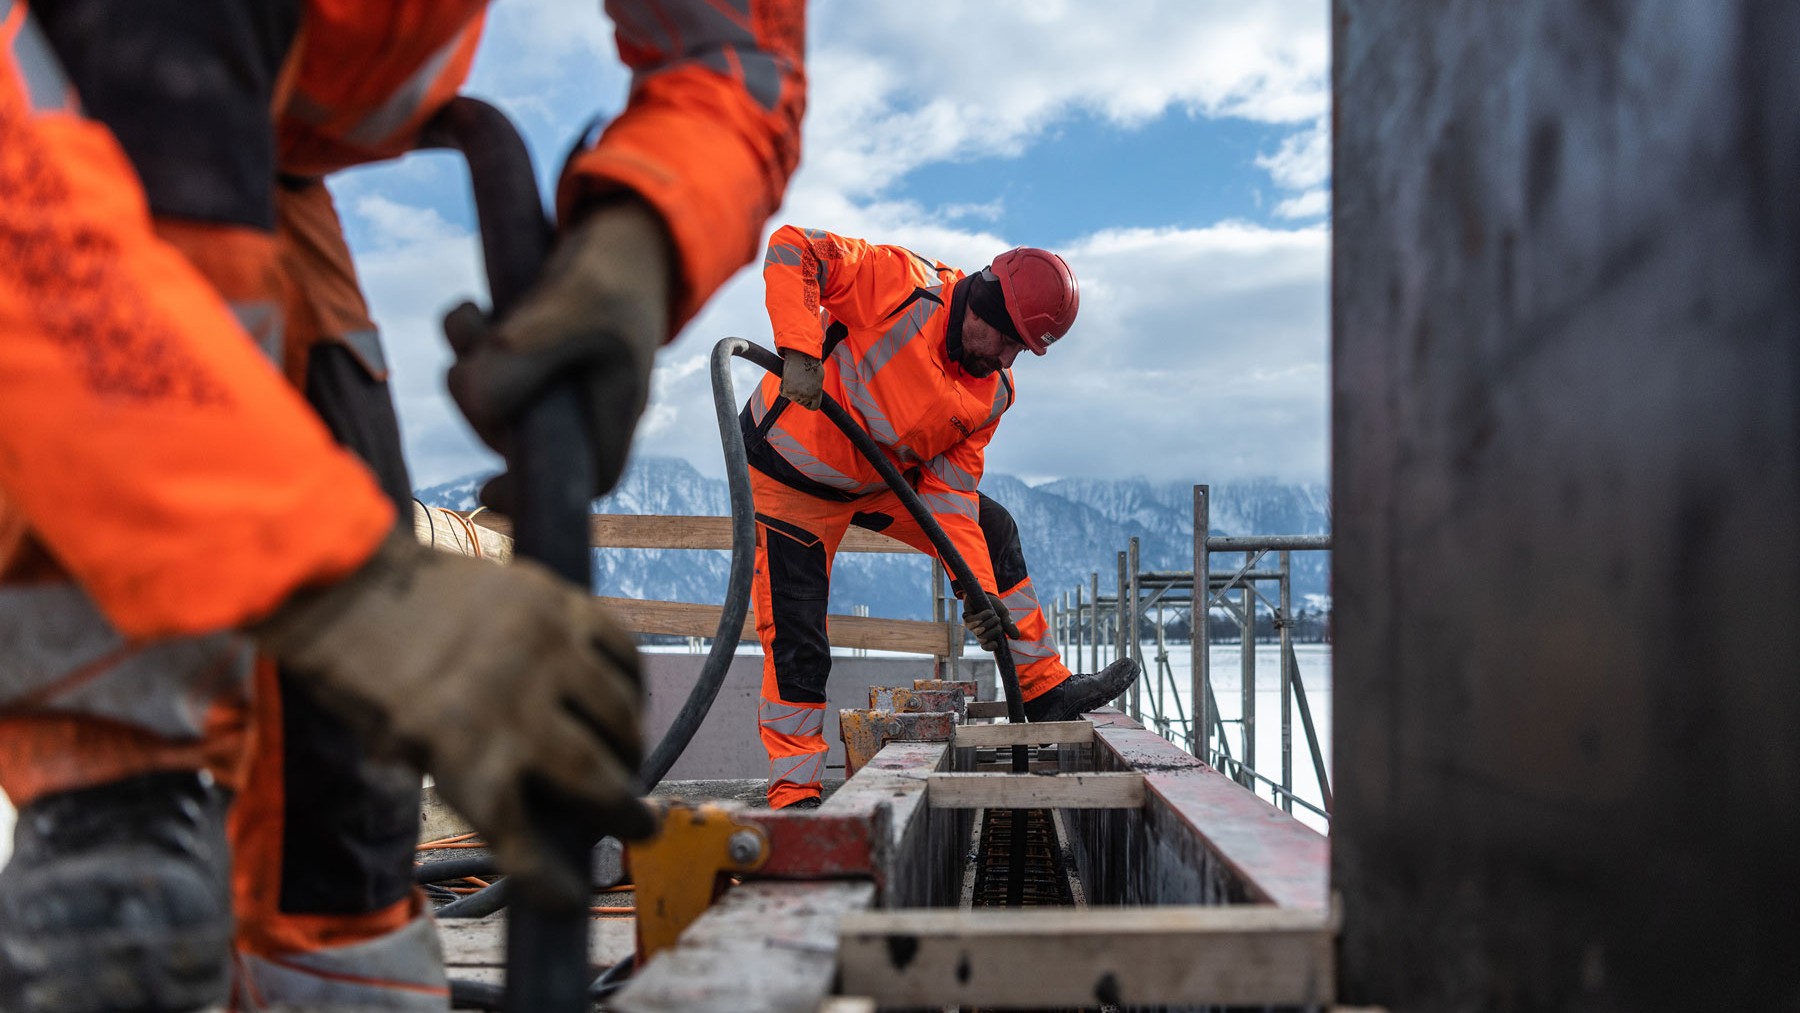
883,342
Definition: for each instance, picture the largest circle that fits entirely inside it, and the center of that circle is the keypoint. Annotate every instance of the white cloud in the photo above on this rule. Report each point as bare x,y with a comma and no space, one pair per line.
1304,160
905,85
1310,204
1200,353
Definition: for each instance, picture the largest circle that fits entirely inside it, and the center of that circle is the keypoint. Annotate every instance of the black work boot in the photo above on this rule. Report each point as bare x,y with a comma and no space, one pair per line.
118,898
1079,694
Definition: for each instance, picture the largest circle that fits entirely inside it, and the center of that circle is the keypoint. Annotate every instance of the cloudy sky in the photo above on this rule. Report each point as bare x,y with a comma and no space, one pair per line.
1175,152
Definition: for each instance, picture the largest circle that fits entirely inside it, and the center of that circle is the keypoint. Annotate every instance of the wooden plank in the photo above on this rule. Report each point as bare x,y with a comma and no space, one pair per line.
987,708
1036,791
659,531
1029,734
765,947
1141,956
470,943
695,620
1005,766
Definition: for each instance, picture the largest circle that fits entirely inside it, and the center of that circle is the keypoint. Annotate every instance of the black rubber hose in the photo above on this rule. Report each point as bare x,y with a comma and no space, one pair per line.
460,867
737,586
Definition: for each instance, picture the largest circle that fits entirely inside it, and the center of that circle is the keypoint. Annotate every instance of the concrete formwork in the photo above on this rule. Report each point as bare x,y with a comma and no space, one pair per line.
727,745
1566,325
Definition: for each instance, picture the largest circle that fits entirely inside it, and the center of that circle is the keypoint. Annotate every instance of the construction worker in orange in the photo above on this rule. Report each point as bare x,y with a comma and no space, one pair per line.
222,660
921,355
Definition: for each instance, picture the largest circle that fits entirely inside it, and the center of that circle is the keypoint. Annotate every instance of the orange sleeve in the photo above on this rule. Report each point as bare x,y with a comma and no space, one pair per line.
153,450
857,282
710,134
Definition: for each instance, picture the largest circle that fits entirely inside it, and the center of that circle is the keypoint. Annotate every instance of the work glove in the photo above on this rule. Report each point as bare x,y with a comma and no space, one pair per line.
802,379
502,682
985,616
600,311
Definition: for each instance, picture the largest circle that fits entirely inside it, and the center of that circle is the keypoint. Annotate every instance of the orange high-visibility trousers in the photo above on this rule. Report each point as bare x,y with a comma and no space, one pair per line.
797,536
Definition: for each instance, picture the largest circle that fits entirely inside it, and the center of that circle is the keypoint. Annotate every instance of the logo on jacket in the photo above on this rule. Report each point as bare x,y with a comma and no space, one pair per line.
960,426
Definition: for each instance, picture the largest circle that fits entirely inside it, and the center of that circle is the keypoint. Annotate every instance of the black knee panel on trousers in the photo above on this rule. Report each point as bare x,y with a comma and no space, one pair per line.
351,823
799,585
1004,550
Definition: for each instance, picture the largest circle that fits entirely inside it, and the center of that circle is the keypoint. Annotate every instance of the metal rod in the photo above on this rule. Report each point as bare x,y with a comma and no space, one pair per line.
1247,675
1080,630
1206,712
1312,736
1121,639
1133,621
1094,621
1266,543
1284,622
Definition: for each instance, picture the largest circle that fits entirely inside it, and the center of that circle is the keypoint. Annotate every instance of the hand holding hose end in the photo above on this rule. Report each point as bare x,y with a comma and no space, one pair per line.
802,379
600,310
986,618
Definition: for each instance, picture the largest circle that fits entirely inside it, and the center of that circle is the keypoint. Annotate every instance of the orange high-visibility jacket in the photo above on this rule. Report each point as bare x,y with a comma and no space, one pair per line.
887,311
143,438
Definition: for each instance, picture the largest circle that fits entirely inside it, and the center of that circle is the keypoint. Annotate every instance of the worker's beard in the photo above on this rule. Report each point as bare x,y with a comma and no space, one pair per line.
977,367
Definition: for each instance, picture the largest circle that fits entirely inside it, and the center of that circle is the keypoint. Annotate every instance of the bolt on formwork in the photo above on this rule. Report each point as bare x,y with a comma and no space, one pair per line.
1149,597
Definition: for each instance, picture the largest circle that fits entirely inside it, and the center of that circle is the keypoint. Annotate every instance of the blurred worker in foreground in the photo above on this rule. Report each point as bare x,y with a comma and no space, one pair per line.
168,250
921,355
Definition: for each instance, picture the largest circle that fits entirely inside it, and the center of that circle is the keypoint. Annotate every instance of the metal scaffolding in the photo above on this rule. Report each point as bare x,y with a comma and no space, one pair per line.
1158,597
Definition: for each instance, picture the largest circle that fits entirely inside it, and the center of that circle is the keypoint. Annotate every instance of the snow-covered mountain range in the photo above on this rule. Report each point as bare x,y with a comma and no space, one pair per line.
1070,529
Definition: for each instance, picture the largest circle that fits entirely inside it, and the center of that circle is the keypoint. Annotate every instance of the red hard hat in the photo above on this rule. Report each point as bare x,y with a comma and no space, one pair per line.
1041,294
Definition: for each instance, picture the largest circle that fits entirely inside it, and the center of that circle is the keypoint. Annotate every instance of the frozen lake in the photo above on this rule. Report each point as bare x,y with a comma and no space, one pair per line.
1315,673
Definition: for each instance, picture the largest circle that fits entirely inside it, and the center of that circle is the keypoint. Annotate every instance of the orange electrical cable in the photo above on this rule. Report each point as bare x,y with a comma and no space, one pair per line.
448,840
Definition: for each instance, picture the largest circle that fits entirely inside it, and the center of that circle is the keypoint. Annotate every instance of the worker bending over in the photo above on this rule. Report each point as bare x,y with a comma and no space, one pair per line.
168,250
921,356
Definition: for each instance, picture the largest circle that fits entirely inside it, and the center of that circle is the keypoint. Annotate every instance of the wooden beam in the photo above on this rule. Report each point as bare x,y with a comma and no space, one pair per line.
1005,766
662,531
450,531
764,947
1083,957
1029,734
1036,791
689,619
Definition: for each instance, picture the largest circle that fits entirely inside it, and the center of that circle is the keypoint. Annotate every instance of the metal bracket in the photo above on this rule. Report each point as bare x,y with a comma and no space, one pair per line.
899,700
864,732
688,863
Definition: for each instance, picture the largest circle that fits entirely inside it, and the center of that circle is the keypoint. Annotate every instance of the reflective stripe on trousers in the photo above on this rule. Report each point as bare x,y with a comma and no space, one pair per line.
63,656
403,970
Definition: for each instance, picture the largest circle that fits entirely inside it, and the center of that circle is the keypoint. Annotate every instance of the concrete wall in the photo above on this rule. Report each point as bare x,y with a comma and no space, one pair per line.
1566,324
727,745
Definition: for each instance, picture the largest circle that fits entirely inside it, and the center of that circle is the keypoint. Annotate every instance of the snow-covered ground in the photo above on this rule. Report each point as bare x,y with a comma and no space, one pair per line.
1315,672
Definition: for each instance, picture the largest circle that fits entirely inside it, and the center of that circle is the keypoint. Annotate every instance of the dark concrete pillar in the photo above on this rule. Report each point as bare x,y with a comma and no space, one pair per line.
1566,325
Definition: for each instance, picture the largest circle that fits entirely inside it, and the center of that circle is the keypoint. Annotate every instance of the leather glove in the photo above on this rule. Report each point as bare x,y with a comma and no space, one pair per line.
985,617
601,310
502,682
802,379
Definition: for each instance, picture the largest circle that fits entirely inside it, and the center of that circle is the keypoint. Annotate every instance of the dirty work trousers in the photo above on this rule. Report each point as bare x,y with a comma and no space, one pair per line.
322,837
797,537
